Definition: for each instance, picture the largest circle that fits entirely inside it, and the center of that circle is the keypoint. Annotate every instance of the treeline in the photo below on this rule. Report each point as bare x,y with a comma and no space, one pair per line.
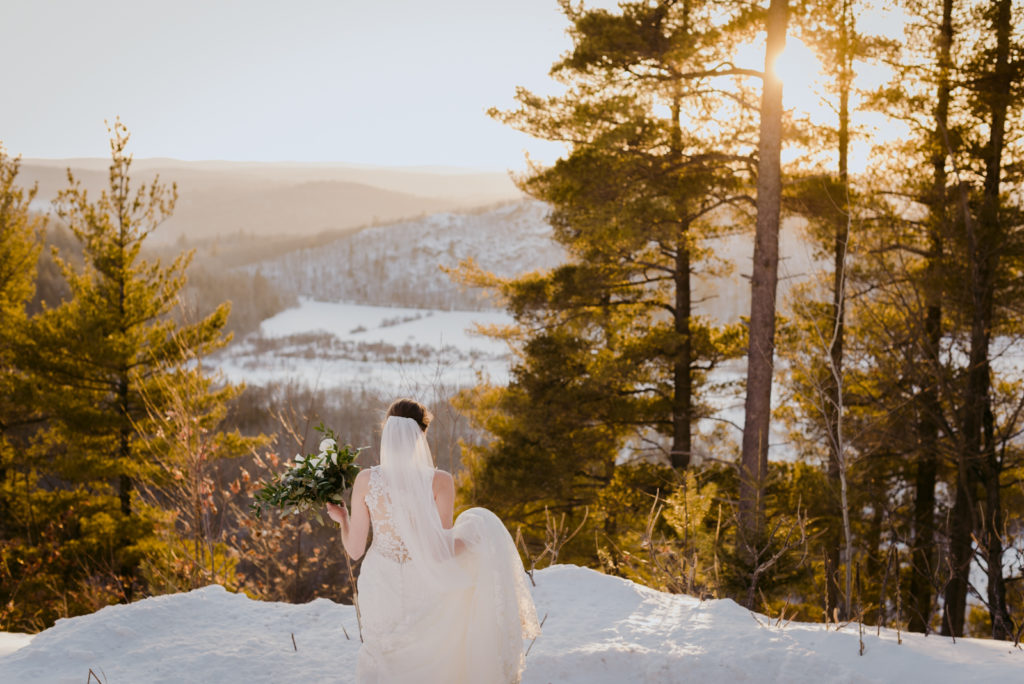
126,465
899,380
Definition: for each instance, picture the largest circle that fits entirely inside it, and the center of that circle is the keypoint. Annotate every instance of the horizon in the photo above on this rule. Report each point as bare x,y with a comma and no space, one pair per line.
423,168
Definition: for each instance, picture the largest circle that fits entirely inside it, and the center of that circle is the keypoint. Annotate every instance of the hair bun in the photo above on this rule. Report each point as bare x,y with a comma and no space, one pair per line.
410,408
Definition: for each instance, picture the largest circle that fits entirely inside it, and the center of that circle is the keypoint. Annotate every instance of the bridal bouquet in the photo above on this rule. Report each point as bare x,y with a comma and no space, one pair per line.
313,480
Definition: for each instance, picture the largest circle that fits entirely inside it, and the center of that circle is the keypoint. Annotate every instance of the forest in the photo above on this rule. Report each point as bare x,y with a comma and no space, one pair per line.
895,374
897,371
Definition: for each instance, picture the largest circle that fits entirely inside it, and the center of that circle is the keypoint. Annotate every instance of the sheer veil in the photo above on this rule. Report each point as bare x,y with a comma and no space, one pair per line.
443,617
408,469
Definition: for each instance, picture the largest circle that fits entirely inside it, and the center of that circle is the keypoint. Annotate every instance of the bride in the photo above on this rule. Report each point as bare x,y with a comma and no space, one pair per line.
439,602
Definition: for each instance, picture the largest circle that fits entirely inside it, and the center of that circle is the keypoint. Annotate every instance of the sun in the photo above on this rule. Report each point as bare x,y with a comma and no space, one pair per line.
801,74
802,81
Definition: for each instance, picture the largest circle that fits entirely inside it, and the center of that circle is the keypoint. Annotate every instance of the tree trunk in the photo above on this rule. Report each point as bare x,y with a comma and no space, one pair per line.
922,550
992,531
978,461
764,281
682,380
961,526
682,405
124,443
991,234
127,569
837,466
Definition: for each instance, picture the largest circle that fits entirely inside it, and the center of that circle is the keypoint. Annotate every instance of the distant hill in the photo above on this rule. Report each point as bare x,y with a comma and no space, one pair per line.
399,264
274,199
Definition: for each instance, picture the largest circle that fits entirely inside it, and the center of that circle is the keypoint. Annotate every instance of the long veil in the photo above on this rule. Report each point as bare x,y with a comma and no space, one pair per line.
409,471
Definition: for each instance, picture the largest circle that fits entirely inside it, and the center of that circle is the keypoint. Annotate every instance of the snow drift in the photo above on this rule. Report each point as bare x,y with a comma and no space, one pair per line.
599,629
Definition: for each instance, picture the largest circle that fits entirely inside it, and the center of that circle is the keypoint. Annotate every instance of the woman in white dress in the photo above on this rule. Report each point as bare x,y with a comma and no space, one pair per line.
439,602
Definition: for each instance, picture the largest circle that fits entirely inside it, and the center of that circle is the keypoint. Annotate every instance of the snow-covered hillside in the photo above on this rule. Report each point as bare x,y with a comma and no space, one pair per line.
399,264
598,630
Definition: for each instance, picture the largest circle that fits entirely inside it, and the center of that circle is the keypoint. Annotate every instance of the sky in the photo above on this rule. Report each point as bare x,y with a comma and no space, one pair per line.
380,82
383,82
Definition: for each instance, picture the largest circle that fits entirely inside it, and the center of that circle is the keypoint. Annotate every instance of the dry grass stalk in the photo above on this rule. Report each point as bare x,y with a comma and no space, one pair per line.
556,536
795,537
542,621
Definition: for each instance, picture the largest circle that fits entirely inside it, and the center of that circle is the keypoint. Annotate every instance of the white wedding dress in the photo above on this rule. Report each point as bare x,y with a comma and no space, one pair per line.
458,614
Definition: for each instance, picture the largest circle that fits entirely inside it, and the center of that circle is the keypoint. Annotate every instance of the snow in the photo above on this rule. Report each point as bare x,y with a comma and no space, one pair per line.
377,348
599,630
391,325
12,641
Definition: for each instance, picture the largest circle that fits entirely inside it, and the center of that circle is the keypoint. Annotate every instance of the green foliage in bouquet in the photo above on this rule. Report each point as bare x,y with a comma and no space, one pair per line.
313,481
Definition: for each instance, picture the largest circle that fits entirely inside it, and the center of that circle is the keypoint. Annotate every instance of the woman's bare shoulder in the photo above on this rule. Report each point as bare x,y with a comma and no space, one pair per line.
442,478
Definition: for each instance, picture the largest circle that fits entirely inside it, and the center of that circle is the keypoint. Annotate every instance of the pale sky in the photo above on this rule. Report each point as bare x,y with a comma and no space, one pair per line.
382,82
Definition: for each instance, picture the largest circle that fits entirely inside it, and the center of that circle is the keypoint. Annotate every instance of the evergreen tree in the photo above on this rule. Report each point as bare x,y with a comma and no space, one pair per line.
822,192
936,288
993,242
763,287
19,251
102,355
634,201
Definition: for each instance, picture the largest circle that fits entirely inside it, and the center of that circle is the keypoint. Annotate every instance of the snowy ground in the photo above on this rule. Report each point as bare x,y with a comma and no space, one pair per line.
336,344
599,630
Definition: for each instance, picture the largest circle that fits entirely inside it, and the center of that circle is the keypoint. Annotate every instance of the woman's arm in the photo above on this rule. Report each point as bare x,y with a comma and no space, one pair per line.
355,529
444,497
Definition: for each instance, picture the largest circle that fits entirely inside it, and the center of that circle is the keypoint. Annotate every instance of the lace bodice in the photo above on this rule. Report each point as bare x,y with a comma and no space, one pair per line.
385,537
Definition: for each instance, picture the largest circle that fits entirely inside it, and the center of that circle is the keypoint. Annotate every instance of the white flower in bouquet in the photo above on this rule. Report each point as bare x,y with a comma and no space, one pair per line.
312,481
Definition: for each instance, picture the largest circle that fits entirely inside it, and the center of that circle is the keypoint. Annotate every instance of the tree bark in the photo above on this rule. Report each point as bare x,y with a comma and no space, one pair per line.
682,380
922,550
961,526
991,230
979,464
682,404
838,315
764,281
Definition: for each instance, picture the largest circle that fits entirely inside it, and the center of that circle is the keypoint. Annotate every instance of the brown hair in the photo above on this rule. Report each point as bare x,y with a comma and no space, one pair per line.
410,408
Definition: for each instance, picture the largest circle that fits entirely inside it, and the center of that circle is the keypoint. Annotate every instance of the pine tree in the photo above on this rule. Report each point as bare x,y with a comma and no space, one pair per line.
103,354
763,287
634,201
993,234
19,251
936,290
824,195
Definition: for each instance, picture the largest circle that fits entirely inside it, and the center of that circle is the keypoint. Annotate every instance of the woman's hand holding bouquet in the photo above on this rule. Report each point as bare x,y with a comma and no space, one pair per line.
315,480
